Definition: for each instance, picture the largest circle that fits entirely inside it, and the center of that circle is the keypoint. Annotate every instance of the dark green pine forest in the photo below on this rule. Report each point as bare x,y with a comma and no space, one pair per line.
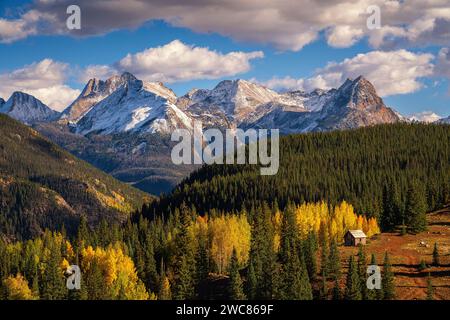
372,168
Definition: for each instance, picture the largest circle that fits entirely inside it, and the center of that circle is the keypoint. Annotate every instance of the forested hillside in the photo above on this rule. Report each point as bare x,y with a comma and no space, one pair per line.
228,233
372,168
261,254
43,186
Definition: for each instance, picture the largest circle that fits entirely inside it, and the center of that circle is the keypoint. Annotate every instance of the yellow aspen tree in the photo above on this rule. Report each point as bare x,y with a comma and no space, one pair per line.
365,226
226,233
359,223
373,227
17,288
119,272
276,220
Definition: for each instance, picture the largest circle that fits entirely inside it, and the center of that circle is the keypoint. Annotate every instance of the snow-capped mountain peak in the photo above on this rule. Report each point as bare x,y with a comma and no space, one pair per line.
354,104
358,94
27,109
135,105
425,116
96,90
229,103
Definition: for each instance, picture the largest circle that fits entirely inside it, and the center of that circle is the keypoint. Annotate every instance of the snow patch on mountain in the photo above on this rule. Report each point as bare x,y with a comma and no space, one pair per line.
444,120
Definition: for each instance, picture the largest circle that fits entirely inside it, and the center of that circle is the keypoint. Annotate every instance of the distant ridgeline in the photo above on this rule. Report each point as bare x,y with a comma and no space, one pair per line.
373,168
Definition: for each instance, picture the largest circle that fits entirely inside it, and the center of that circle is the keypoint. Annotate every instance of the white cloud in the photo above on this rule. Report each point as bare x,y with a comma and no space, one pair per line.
288,83
282,84
12,30
56,97
391,72
177,61
344,36
287,25
16,29
44,80
30,23
96,71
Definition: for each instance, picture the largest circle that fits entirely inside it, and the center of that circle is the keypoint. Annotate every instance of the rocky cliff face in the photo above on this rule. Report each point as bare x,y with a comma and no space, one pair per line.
354,104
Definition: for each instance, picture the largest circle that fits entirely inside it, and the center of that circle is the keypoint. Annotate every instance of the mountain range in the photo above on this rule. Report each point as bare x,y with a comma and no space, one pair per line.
444,120
122,125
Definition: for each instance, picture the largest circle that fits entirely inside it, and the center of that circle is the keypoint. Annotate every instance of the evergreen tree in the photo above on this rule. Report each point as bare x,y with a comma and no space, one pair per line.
235,289
334,260
415,210
289,242
164,290
323,287
391,207
251,282
202,268
262,252
375,293
53,284
82,293
422,265
150,274
277,282
353,286
337,295
296,285
324,255
185,262
436,259
310,257
362,270
295,279
387,281
82,234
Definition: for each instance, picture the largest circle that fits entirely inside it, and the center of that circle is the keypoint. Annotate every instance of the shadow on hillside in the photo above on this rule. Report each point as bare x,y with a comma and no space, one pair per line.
434,286
439,223
415,266
444,273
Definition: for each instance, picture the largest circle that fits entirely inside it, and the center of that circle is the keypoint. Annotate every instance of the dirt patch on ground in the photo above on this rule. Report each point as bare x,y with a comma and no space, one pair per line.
407,251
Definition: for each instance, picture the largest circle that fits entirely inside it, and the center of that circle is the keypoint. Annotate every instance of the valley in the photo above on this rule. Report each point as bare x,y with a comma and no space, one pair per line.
122,125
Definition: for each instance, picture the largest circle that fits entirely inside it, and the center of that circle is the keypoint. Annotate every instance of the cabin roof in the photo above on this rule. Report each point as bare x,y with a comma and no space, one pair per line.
357,233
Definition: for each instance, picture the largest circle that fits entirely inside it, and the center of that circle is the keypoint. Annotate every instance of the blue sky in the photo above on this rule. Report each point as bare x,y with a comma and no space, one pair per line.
111,46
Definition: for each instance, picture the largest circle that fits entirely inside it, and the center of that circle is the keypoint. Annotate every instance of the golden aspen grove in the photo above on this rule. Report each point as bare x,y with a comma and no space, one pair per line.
110,272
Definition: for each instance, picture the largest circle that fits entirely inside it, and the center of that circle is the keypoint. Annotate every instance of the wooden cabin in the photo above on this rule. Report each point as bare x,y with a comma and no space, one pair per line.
354,238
